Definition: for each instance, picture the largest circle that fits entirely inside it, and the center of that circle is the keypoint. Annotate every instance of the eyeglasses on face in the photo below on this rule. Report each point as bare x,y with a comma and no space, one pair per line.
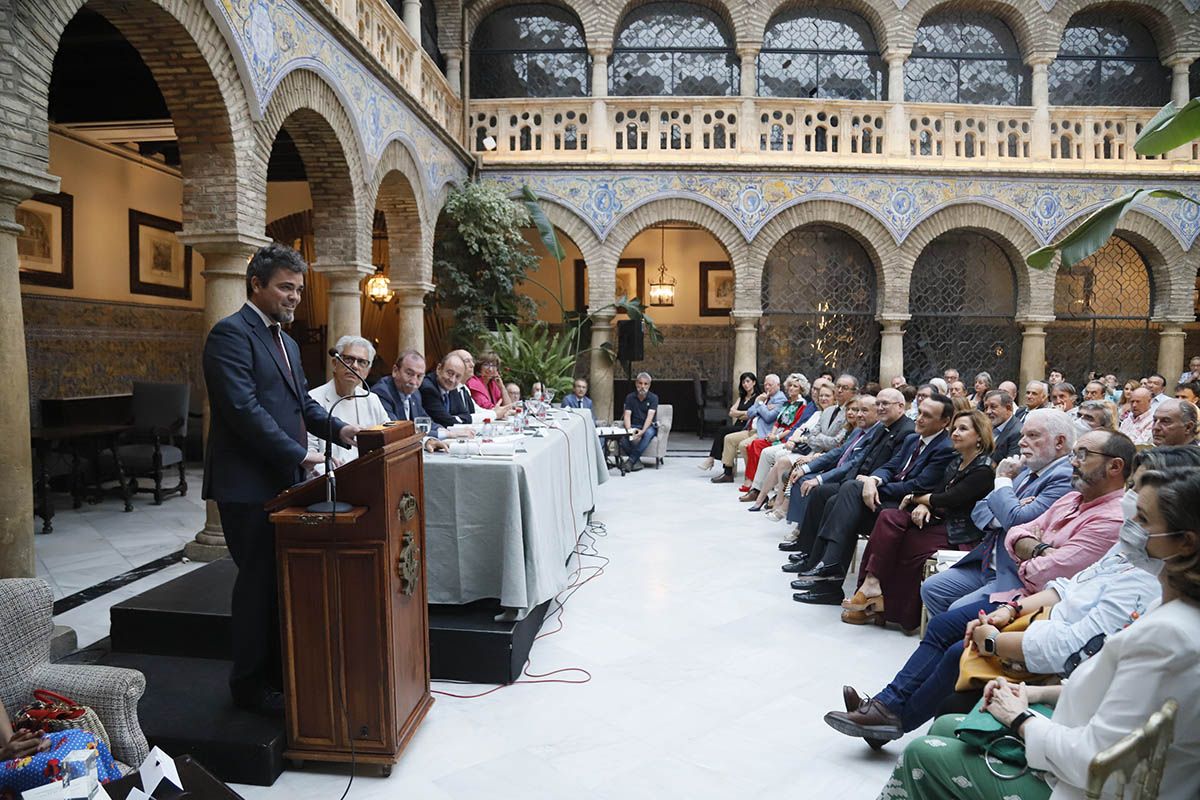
1080,454
358,362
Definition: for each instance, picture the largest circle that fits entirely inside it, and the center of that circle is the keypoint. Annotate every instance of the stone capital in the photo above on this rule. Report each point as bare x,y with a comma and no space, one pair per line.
893,54
748,49
892,322
19,181
343,270
452,52
218,243
600,48
1040,58
1033,321
1180,60
1171,325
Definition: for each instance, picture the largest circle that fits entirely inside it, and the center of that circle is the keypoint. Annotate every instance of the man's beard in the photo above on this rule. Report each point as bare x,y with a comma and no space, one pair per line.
284,316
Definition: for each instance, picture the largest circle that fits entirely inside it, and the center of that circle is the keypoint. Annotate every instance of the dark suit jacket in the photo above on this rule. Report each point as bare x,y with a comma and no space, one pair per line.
1006,443
461,405
393,402
887,441
858,442
256,440
925,473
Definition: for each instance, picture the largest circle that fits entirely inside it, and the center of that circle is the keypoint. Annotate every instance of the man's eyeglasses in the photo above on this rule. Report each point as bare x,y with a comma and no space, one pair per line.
1080,455
358,362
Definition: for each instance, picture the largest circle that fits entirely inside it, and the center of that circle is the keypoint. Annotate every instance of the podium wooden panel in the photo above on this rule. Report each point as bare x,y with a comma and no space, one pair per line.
355,621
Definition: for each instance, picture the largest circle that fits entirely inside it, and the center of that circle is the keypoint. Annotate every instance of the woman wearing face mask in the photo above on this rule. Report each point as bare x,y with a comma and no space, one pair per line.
1107,696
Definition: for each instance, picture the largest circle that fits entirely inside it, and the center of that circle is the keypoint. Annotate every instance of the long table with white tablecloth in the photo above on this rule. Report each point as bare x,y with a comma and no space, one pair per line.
504,528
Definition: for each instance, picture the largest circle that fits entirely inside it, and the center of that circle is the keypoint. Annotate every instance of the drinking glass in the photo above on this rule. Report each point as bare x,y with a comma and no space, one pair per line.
423,425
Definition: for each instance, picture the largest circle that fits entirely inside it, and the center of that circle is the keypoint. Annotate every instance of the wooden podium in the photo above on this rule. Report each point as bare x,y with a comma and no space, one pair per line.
355,621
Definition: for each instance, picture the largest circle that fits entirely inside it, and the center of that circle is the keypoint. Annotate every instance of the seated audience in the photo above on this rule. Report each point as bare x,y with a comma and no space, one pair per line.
1006,428
514,392
829,430
760,416
1063,396
904,538
923,393
578,398
1188,391
961,403
1023,489
1093,390
400,394
898,381
1157,385
930,674
1126,394
747,391
486,388
440,395
1138,422
1009,388
794,412
1139,668
537,391
958,389
1174,423
641,406
1192,373
1037,395
983,385
360,407
1055,377
939,386
950,376
833,527
29,760
777,461
1096,415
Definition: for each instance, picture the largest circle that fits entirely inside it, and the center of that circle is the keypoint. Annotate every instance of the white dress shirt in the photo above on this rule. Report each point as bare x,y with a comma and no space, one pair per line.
361,411
1115,691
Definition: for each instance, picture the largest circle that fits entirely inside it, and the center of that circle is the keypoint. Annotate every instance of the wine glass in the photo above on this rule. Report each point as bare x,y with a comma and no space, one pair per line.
424,424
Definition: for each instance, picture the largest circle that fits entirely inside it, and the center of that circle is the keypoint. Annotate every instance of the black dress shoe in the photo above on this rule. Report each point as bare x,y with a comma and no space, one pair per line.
819,598
791,547
794,566
803,584
794,557
823,571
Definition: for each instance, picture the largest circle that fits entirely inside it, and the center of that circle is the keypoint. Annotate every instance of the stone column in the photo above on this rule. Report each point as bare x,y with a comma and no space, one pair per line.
17,558
412,18
897,116
345,300
748,121
600,381
1171,340
410,298
1033,349
1039,134
745,342
599,136
225,259
891,348
1180,95
454,70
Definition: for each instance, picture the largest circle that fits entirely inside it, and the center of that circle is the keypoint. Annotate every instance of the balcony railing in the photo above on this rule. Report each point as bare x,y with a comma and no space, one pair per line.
804,131
386,37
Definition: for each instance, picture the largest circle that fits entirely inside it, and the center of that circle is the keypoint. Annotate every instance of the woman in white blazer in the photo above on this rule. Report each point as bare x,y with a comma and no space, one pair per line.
1106,697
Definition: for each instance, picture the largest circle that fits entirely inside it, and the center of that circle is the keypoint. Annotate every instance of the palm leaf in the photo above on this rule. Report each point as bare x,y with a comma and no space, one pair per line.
544,226
1171,127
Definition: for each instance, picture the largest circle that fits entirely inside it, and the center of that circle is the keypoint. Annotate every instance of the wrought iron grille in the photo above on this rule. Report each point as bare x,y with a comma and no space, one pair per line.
963,299
1107,60
818,301
673,49
820,53
529,51
1103,307
966,57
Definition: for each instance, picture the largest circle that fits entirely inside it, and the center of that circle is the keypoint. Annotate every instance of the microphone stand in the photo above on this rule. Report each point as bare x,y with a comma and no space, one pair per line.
331,505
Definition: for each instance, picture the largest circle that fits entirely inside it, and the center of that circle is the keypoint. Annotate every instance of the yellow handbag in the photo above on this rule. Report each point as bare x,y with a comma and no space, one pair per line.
975,669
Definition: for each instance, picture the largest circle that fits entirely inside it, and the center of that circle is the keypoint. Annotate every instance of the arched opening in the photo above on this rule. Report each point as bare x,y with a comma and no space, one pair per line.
820,52
963,300
673,48
529,50
1102,309
1108,59
819,301
966,57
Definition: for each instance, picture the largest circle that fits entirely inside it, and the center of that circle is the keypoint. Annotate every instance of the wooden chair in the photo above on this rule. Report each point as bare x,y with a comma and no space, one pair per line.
1138,760
160,418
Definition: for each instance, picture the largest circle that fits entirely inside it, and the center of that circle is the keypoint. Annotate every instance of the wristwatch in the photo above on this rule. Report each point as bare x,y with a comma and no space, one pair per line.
989,644
1019,720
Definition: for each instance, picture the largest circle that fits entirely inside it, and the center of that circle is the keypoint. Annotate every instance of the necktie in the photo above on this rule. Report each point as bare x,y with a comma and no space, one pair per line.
277,336
407,407
916,454
850,448
446,400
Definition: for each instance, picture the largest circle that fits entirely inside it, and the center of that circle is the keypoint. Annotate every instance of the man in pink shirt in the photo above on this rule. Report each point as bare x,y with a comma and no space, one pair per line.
1138,421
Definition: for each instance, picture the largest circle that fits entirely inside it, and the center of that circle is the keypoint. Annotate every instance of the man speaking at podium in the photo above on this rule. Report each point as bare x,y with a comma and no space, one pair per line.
260,416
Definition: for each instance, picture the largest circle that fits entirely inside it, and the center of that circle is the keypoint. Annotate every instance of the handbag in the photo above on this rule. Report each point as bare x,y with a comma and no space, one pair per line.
975,669
50,713
981,730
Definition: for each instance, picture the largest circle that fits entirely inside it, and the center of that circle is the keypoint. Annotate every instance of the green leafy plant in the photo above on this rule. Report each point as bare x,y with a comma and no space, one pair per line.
535,353
1171,127
479,259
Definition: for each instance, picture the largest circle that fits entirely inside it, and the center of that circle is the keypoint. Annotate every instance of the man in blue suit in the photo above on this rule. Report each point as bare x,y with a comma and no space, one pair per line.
1025,488
400,392
578,397
260,417
440,394
916,467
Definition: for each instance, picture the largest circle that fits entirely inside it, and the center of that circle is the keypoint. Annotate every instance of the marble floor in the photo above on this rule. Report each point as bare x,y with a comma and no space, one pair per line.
707,680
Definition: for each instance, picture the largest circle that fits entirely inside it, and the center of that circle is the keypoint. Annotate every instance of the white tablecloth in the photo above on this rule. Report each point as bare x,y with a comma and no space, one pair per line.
504,528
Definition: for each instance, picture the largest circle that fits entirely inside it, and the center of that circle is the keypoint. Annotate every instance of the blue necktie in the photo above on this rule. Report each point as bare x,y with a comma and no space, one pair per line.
446,400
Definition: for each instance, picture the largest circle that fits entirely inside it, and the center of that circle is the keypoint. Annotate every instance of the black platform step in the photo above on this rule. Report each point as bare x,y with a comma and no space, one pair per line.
189,617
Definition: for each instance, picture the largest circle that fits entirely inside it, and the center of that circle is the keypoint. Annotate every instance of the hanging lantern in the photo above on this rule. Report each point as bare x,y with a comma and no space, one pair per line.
662,291
379,289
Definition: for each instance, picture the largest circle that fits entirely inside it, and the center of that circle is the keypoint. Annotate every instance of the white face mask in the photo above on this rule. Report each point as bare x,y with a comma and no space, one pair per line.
1133,538
1082,426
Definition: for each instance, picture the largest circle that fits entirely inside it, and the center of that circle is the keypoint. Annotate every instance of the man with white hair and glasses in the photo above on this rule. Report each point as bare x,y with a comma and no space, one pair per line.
361,408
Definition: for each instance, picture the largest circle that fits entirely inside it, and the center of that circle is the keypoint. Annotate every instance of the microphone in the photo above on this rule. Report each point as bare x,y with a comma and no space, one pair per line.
333,352
331,505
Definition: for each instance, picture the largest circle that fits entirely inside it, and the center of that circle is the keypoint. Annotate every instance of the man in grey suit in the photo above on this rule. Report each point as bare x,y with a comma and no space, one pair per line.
1006,428
260,417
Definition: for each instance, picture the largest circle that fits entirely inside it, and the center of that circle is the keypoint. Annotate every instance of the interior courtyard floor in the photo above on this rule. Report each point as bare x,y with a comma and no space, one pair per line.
707,680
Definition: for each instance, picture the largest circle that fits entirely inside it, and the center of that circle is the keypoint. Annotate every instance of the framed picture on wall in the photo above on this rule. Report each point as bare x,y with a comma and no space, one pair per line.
45,247
716,289
631,281
159,264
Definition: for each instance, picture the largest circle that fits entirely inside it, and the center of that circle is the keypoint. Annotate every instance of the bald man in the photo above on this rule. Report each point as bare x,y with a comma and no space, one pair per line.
1138,422
440,396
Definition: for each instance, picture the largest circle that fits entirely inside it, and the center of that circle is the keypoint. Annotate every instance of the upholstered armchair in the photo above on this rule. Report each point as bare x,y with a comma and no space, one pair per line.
26,606
160,419
658,446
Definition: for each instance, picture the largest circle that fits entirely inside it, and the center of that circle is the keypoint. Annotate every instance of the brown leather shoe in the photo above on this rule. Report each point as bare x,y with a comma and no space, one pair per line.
722,478
871,721
750,496
853,702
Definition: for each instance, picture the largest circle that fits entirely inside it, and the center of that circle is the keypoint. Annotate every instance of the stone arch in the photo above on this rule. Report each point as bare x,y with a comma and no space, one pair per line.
1024,19
679,209
1161,18
738,28
397,192
877,15
596,27
564,219
1173,284
1005,230
325,137
198,77
861,225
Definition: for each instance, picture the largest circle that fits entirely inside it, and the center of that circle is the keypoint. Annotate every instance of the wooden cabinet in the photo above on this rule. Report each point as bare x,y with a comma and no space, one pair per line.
355,621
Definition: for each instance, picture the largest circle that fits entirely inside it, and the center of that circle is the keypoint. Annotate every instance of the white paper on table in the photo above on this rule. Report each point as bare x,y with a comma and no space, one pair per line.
497,449
50,791
158,765
137,794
